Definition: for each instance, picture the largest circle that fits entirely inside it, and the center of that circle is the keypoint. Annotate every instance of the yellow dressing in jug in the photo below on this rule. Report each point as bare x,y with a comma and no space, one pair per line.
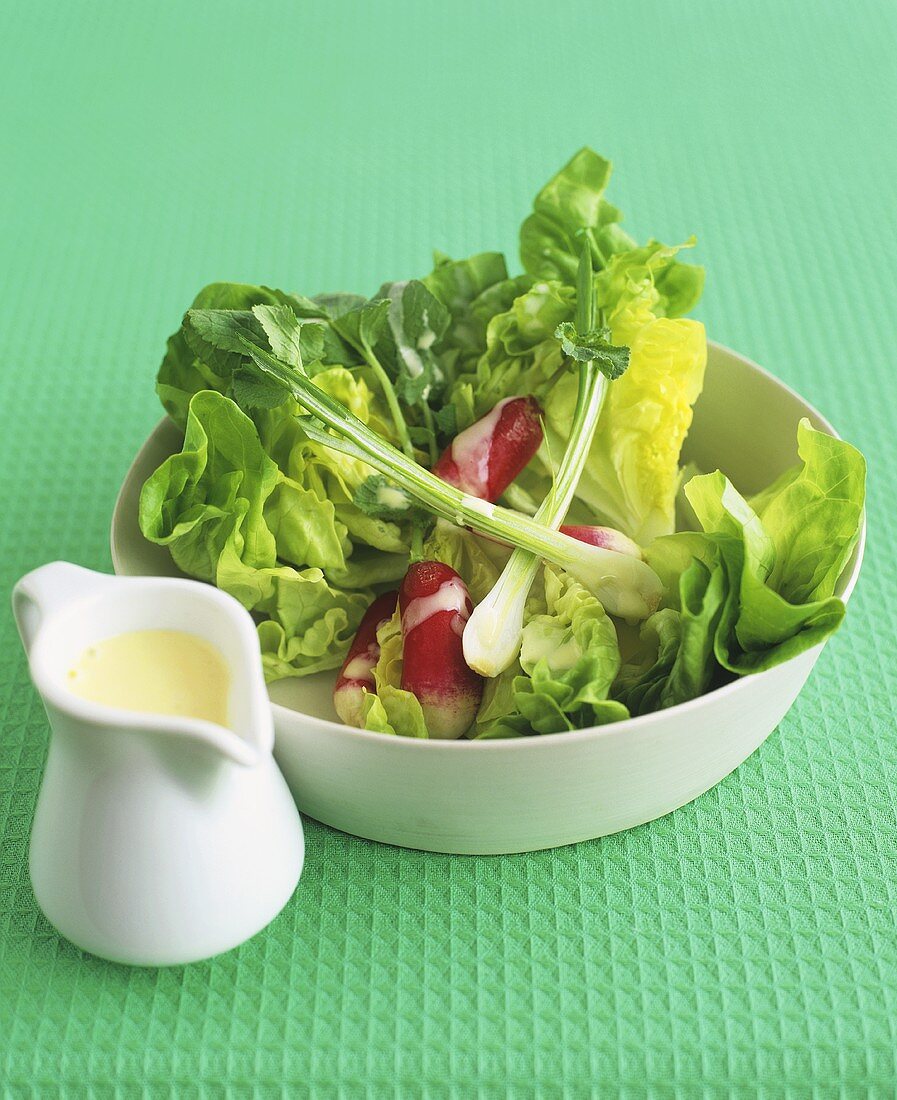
155,671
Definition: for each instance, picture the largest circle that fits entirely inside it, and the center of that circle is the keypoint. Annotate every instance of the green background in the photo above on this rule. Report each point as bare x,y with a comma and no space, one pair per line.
747,942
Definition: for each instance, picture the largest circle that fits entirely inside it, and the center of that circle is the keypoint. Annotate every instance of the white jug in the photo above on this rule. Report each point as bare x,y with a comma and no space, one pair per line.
157,840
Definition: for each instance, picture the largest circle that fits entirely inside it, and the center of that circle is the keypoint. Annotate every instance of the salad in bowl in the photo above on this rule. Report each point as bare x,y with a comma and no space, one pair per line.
465,495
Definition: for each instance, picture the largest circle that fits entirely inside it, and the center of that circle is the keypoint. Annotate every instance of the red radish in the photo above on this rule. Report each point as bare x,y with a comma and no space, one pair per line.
605,537
435,606
356,677
485,458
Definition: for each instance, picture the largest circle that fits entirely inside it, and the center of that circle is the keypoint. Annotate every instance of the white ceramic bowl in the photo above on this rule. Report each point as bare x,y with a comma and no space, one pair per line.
537,792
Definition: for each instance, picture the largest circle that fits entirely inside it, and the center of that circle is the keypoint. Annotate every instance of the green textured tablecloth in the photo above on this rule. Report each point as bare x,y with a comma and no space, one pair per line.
745,943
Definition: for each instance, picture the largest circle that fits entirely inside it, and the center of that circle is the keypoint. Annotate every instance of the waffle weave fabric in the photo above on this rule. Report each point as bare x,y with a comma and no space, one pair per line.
744,945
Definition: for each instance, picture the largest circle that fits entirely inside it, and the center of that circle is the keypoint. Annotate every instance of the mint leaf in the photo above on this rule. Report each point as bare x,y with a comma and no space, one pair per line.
214,336
447,420
283,329
222,329
593,346
251,390
417,321
363,325
312,339
460,285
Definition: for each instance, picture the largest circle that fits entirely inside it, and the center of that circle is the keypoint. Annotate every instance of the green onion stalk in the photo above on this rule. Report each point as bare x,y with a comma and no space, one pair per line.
493,634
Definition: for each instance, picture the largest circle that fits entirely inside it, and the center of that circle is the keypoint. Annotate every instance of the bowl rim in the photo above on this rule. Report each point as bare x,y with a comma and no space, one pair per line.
611,729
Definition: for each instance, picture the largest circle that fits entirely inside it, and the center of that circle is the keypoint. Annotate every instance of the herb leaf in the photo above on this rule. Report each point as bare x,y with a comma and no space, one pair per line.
417,321
594,345
459,285
446,420
283,329
294,341
363,325
252,390
214,336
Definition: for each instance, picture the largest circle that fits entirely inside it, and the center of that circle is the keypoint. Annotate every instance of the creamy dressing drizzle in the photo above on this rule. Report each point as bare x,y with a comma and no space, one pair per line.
451,595
396,317
411,356
472,447
391,497
361,667
477,504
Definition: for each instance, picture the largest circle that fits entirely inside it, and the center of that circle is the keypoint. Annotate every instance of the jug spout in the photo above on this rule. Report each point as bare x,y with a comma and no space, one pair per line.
47,589
104,606
222,742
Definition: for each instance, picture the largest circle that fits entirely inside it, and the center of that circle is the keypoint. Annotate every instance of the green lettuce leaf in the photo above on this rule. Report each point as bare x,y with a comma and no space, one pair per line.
643,677
702,594
216,486
571,201
341,476
651,276
461,285
392,710
337,478
522,355
756,585
230,516
675,661
499,717
813,516
632,473
335,305
309,622
568,660
759,626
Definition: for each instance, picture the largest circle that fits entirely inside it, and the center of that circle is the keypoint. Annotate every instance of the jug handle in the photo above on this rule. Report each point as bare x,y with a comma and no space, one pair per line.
48,587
